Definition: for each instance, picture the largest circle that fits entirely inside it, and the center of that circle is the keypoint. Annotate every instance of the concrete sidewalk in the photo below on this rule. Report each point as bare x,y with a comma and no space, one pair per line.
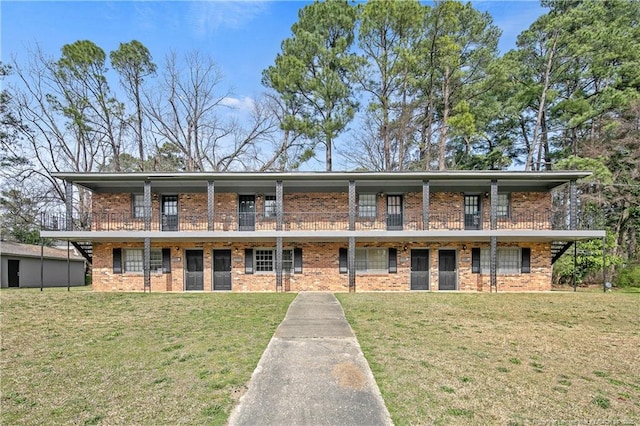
313,372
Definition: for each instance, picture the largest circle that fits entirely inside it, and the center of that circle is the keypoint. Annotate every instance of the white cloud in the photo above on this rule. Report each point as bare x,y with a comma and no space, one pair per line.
244,104
212,15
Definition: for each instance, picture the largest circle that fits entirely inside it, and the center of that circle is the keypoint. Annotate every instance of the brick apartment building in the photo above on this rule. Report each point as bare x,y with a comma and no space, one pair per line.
334,231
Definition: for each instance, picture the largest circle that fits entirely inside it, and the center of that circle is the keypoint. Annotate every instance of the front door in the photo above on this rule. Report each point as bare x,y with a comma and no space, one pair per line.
222,270
447,278
394,212
194,272
472,217
247,212
420,269
169,212
13,269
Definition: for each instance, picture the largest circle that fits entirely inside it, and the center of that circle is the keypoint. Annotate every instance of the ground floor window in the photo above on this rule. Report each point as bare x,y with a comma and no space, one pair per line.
508,260
374,260
134,260
265,260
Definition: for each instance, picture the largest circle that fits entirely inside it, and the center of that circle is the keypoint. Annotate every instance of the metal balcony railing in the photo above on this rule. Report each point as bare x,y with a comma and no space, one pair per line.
310,221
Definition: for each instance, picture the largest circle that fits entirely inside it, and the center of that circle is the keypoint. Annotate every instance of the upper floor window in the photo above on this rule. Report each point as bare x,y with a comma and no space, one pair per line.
367,205
138,205
503,205
270,206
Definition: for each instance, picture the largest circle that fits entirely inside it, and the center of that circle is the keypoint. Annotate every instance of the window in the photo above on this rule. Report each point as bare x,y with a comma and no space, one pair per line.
134,260
287,261
503,205
508,261
138,205
155,264
367,205
372,260
270,206
265,260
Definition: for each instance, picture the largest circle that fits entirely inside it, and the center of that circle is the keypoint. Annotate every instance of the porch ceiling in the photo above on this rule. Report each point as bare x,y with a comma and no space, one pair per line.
454,181
326,236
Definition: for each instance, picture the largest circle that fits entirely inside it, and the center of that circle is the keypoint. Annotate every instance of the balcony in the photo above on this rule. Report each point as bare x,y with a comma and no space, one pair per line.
543,220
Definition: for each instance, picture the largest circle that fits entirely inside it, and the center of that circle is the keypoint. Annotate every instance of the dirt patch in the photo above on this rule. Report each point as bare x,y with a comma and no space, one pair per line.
349,376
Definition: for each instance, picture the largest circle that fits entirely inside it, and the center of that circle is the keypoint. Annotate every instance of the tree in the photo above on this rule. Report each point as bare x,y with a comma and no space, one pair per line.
86,97
134,63
459,47
387,36
55,135
10,125
20,206
314,71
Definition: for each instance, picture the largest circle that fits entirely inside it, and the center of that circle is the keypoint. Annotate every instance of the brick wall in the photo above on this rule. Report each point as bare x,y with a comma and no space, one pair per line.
320,269
321,211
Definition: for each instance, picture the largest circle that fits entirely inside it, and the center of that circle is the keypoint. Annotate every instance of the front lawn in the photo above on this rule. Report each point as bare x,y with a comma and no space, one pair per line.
128,358
509,359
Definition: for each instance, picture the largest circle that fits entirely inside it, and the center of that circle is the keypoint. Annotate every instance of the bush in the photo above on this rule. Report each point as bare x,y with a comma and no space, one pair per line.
629,276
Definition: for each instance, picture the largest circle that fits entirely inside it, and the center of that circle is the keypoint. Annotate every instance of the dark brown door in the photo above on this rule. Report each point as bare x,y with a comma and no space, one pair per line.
222,270
394,212
13,270
472,209
447,278
169,212
247,212
194,273
420,269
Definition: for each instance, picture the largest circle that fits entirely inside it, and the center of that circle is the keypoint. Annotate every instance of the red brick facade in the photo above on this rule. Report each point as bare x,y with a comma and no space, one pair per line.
320,268
326,211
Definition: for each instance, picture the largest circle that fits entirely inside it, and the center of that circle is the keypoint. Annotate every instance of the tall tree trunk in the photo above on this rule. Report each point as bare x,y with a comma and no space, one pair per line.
328,155
542,104
445,118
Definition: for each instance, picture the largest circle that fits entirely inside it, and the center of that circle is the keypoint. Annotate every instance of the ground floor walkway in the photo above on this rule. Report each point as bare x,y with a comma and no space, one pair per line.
313,372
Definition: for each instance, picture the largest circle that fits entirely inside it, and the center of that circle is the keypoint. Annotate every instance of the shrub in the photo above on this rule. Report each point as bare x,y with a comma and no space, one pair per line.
629,276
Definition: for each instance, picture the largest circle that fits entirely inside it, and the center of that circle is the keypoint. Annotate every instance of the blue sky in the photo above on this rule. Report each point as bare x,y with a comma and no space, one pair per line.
243,37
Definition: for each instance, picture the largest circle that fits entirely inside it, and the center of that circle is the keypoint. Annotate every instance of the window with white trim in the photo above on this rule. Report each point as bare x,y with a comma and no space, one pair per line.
503,205
265,260
367,205
270,206
371,259
134,260
508,260
138,205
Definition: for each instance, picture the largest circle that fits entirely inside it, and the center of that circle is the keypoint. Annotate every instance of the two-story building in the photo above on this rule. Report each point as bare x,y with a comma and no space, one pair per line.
333,231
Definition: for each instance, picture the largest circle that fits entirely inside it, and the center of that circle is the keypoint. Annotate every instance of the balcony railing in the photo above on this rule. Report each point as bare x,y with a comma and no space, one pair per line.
308,221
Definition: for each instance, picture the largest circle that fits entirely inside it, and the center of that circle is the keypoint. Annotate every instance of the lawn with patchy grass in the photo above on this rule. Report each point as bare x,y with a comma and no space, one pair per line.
124,358
510,359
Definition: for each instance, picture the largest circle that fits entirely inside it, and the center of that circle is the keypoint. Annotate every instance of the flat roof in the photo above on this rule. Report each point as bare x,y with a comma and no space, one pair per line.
458,180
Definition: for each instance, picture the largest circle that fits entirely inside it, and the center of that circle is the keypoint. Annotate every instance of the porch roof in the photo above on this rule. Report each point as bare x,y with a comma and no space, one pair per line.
264,182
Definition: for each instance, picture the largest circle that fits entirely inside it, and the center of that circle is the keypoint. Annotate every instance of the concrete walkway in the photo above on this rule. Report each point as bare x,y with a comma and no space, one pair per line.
313,372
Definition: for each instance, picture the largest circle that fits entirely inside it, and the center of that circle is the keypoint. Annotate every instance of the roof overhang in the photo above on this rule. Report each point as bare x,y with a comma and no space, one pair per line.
325,236
454,181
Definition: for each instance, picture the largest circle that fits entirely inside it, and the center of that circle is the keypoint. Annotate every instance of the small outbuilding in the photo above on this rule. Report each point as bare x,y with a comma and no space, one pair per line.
23,265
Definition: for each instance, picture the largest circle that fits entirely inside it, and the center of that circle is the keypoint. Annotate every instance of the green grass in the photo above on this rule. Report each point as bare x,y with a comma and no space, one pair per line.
476,359
120,358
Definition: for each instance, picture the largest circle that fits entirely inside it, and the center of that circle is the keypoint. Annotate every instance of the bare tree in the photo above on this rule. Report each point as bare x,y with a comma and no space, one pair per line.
55,134
185,108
